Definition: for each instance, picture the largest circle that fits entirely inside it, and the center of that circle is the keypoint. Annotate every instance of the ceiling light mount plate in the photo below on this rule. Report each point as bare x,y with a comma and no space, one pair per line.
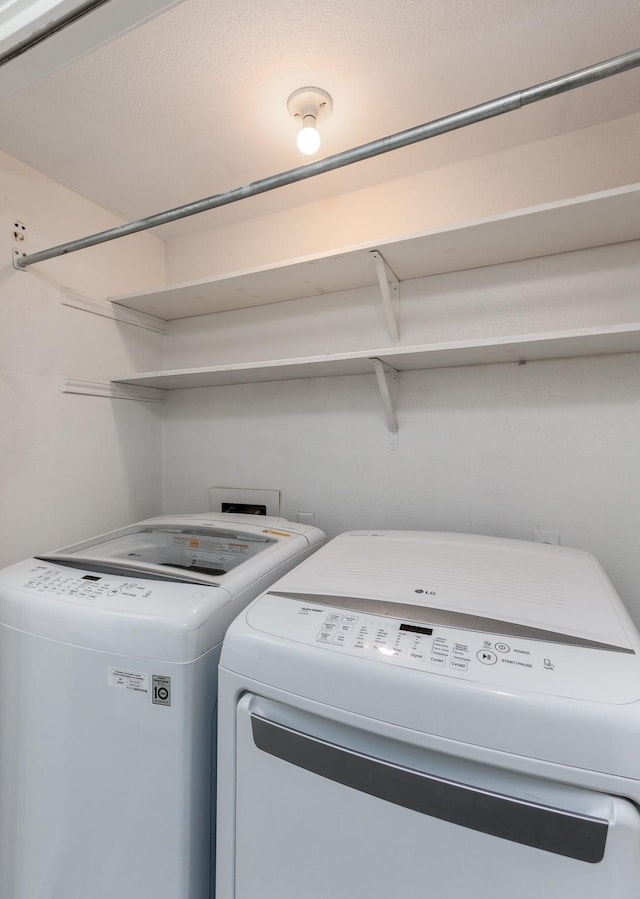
310,101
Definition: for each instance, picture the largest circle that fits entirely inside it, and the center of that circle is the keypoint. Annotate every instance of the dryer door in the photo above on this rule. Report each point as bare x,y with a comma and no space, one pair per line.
326,810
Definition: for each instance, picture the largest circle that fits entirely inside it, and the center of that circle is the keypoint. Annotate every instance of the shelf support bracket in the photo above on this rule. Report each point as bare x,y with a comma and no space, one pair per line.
387,378
114,391
390,290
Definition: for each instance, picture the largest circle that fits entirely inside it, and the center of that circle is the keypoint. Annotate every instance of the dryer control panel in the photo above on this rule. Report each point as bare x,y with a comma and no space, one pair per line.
504,661
432,648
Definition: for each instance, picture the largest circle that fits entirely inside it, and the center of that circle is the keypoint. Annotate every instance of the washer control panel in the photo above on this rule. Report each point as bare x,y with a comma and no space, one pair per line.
38,584
59,582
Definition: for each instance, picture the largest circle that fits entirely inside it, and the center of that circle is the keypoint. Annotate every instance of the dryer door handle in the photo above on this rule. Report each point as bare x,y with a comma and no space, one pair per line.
562,832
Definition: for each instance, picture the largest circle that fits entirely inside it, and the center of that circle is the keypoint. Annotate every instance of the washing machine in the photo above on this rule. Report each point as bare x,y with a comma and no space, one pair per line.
426,714
108,675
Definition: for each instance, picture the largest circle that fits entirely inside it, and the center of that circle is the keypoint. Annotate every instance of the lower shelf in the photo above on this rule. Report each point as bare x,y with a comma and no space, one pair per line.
524,348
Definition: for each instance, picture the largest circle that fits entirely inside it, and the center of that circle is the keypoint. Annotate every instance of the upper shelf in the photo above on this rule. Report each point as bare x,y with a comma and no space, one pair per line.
595,220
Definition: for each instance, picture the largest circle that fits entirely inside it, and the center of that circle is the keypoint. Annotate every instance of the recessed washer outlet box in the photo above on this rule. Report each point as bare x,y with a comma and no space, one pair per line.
244,501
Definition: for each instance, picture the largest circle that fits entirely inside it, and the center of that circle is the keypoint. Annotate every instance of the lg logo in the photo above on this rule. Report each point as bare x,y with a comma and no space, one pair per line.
426,592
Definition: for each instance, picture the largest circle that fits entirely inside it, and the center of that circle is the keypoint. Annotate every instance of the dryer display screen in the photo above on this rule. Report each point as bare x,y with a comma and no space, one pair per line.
416,629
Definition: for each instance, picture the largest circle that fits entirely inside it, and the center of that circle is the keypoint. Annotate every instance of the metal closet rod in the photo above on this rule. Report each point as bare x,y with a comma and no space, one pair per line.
492,108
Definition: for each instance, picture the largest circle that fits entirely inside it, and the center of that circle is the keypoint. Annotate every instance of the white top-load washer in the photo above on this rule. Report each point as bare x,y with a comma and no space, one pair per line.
425,714
108,675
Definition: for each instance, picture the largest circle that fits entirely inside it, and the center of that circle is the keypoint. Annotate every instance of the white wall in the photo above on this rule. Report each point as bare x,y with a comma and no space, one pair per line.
497,449
70,465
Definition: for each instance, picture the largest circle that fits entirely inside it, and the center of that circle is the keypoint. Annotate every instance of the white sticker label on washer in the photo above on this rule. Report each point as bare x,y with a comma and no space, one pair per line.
128,680
161,690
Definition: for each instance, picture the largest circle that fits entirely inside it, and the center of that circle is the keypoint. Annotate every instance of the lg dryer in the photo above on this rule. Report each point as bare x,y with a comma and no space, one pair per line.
108,673
422,714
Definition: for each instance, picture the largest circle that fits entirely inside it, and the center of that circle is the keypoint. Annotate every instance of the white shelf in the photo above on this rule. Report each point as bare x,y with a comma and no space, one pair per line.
595,220
524,348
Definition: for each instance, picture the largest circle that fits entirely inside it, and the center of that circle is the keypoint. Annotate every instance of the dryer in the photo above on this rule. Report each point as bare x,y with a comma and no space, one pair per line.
411,714
108,683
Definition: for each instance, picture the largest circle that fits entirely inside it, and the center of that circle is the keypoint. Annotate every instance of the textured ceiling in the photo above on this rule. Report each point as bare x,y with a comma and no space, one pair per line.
193,102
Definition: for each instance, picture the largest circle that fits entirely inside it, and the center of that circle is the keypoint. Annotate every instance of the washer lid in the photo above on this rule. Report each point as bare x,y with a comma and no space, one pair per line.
180,549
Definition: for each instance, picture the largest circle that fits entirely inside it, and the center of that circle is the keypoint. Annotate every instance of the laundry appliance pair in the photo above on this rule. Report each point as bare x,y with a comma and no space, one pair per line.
402,713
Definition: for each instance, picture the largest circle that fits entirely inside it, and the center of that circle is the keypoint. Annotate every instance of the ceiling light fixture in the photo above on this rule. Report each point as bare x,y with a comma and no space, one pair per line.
308,104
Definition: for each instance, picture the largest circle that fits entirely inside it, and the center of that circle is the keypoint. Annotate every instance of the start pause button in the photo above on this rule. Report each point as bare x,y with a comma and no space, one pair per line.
487,657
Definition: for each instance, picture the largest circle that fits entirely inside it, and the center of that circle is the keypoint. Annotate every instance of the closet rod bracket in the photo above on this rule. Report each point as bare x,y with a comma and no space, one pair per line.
390,290
387,378
16,255
19,235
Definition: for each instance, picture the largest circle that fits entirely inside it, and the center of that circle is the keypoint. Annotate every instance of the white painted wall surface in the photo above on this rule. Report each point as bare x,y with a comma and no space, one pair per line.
70,466
497,449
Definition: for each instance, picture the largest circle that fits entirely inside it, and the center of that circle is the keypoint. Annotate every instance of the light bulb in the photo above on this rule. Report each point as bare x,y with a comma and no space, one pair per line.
307,106
308,139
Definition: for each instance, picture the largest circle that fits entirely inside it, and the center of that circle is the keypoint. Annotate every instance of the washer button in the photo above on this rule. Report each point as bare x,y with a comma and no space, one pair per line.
487,657
503,647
